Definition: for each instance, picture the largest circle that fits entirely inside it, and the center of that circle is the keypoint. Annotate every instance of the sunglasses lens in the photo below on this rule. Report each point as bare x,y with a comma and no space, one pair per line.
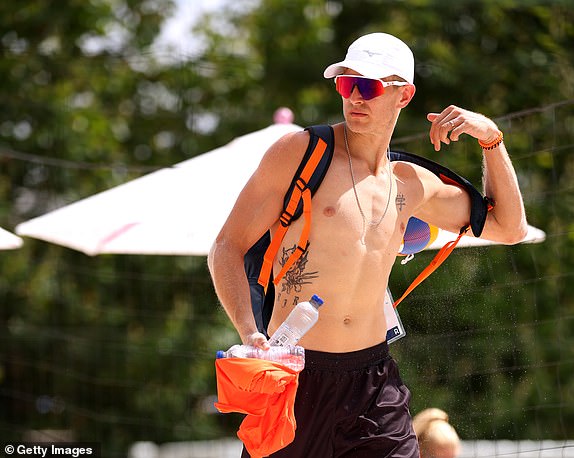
369,88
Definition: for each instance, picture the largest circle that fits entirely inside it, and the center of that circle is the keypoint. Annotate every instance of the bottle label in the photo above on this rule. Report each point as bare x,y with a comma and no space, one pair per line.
284,336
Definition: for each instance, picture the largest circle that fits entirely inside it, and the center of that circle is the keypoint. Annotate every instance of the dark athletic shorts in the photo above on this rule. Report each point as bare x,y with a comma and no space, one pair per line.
351,405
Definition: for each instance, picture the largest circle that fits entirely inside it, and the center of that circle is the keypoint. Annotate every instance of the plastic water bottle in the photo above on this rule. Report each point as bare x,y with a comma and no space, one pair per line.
299,321
292,356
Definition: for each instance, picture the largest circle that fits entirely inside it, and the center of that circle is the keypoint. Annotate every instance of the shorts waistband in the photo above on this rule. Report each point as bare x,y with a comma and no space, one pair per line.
353,360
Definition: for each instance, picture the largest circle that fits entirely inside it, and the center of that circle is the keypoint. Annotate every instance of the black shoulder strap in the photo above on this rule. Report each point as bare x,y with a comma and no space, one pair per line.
479,204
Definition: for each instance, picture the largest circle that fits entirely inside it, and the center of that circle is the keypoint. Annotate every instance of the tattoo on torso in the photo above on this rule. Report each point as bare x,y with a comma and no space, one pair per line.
296,276
400,201
283,301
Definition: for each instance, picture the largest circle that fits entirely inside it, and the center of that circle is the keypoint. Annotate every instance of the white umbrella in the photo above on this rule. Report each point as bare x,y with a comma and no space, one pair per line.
9,241
534,235
178,210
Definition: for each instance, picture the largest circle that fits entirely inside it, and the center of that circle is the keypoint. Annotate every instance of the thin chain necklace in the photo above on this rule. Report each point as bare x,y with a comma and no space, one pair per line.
371,223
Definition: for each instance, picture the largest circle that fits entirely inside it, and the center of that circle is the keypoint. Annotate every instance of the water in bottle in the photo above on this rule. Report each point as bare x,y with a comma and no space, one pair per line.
299,321
292,356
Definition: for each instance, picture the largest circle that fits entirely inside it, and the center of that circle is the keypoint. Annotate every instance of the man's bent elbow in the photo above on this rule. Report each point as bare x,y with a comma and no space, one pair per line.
210,256
516,234
214,253
222,251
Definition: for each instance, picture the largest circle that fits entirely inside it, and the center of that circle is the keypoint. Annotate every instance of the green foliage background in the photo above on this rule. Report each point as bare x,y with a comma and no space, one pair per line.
120,348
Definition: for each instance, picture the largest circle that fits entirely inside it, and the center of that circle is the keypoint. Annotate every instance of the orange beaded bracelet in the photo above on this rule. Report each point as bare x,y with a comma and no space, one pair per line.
493,144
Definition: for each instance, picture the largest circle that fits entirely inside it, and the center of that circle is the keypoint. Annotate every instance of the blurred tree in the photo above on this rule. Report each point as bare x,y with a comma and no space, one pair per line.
106,347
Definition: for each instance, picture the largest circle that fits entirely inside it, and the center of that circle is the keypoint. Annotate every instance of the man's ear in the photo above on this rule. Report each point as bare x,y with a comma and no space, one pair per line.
407,93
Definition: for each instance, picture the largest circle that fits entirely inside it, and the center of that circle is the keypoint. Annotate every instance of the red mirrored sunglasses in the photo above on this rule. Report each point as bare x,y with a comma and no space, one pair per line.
368,87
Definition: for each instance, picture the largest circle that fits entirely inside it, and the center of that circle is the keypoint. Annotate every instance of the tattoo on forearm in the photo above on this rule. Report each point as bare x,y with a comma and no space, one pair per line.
296,276
400,201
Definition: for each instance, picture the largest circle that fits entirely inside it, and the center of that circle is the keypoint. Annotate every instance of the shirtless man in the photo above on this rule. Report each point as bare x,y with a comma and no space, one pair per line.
351,401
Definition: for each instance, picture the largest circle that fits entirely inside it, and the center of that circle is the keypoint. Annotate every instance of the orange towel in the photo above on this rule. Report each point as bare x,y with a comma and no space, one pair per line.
265,391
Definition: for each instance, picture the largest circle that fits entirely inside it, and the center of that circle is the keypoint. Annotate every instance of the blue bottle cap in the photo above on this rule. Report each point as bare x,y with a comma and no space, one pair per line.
220,354
317,299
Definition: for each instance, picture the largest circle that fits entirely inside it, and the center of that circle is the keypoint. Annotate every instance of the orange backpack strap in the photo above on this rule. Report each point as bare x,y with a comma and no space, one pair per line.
479,207
439,258
311,172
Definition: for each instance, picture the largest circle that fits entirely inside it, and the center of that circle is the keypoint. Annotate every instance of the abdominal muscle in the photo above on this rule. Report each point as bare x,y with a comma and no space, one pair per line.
346,265
351,278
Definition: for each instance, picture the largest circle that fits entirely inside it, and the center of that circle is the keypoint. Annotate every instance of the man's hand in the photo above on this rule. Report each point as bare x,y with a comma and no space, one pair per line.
459,121
257,340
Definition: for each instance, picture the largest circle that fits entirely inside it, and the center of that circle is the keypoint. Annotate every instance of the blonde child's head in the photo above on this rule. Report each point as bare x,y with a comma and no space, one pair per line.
437,438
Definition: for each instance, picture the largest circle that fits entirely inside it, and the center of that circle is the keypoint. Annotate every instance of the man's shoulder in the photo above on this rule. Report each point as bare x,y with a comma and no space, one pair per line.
289,144
410,172
282,159
287,149
408,167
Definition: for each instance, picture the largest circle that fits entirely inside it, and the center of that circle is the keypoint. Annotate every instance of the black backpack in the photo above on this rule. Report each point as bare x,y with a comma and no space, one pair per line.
258,261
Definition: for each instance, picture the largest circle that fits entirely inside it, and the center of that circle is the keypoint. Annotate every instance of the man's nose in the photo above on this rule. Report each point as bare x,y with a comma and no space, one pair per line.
356,94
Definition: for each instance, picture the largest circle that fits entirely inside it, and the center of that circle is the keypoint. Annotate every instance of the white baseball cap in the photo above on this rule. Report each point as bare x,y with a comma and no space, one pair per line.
376,55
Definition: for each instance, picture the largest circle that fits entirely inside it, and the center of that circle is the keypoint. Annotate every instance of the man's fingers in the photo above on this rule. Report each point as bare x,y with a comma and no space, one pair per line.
258,340
457,131
442,124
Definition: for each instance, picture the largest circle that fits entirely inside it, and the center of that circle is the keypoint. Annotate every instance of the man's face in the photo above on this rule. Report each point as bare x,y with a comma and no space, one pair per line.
370,104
